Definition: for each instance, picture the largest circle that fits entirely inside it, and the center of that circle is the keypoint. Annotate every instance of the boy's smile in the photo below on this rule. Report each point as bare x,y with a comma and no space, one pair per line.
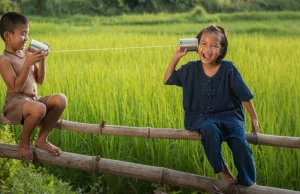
209,48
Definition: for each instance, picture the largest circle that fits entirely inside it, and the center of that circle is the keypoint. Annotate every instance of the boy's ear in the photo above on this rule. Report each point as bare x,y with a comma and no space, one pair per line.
7,35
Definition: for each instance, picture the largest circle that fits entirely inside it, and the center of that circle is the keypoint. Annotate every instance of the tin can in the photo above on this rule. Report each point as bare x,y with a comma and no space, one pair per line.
35,46
191,44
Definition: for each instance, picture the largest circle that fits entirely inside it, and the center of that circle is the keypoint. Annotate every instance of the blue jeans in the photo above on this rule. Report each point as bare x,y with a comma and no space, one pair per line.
213,133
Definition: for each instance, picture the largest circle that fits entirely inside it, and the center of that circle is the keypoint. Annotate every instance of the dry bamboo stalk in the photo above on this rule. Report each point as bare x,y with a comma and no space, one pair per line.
164,133
154,174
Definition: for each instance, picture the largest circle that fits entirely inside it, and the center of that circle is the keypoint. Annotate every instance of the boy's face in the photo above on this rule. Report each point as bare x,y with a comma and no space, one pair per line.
17,39
209,47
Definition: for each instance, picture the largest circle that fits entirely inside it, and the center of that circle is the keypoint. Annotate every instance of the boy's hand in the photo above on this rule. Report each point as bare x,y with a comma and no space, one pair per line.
255,126
178,53
35,57
48,50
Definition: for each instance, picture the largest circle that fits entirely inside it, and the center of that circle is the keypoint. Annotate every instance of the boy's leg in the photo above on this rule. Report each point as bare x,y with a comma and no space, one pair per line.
33,113
243,158
211,138
56,105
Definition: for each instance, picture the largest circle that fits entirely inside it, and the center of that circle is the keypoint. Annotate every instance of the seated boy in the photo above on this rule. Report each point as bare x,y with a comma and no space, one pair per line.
22,71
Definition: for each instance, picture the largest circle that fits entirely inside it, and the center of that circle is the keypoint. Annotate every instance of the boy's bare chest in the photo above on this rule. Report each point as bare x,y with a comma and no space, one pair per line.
18,65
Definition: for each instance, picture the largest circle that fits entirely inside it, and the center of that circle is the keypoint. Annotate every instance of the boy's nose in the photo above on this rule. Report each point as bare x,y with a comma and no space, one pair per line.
208,49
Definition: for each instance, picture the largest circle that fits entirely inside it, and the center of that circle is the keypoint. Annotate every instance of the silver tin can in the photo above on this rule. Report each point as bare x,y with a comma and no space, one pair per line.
35,46
191,44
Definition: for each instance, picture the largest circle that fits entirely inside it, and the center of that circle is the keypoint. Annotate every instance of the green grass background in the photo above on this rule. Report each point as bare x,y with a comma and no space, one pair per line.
124,87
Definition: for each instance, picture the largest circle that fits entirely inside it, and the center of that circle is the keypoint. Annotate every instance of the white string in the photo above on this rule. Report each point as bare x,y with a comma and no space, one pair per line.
104,49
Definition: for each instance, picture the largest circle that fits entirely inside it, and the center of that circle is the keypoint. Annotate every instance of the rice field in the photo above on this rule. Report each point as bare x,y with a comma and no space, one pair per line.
121,83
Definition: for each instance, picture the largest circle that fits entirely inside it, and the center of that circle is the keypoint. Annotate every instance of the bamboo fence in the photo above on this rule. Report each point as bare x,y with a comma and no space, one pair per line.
158,175
165,133
154,174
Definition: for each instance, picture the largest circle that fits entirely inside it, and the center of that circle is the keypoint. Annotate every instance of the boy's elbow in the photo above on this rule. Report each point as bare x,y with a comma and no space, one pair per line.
40,82
165,80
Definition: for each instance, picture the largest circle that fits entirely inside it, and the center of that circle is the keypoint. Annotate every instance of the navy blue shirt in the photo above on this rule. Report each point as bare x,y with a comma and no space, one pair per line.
218,97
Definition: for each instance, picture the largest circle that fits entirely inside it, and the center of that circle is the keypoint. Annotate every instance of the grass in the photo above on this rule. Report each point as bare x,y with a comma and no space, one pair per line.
124,87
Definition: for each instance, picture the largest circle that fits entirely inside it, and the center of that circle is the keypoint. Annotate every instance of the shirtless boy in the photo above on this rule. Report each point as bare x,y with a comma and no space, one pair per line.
21,71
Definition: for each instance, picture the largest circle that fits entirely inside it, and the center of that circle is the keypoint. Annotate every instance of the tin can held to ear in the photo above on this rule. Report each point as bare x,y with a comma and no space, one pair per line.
35,46
191,44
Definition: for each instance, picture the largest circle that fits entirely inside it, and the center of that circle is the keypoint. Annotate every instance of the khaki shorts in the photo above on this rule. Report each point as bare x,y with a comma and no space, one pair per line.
13,107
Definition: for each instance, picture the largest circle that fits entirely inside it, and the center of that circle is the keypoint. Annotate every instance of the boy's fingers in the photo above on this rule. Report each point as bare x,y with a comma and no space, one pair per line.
37,52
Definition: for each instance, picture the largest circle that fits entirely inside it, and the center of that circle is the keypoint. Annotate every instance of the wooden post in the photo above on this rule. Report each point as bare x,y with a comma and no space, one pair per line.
154,174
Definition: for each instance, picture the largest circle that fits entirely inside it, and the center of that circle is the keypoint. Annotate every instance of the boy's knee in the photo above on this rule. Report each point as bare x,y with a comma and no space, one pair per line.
209,129
60,101
38,111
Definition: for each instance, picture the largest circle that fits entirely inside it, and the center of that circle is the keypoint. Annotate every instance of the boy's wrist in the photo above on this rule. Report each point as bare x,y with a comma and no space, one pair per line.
26,64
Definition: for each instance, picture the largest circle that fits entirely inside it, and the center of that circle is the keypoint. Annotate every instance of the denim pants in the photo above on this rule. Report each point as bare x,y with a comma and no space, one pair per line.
213,133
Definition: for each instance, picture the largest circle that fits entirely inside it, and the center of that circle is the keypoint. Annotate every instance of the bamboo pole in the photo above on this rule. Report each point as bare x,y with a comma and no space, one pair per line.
154,174
165,133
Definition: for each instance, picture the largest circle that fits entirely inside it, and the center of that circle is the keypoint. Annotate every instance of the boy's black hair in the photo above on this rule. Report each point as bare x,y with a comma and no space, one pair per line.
224,42
10,21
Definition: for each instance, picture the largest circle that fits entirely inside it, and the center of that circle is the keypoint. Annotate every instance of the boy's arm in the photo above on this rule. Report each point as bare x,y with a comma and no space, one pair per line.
12,81
40,69
40,72
254,120
176,57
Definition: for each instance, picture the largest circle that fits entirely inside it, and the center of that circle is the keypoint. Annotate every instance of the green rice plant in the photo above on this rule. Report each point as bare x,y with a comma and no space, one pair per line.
122,84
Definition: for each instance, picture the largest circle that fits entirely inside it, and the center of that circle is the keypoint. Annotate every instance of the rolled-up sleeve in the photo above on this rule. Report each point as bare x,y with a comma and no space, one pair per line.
177,76
239,87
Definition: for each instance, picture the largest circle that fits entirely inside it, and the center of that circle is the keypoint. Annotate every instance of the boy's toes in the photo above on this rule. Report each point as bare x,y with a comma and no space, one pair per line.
54,150
49,148
57,150
26,154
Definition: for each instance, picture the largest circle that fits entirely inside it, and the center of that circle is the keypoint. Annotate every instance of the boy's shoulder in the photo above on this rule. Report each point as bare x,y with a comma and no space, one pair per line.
227,63
9,56
4,60
192,63
3,57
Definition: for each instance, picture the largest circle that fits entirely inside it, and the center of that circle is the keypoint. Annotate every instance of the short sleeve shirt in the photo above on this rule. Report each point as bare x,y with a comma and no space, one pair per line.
218,97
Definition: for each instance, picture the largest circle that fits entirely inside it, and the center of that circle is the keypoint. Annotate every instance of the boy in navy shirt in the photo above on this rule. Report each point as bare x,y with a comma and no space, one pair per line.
213,97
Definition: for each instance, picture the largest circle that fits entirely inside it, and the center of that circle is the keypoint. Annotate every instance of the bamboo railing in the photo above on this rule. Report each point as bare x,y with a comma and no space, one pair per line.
154,174
165,133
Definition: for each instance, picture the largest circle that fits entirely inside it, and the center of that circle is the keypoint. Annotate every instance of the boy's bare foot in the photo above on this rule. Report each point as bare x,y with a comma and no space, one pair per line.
45,145
226,174
25,152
